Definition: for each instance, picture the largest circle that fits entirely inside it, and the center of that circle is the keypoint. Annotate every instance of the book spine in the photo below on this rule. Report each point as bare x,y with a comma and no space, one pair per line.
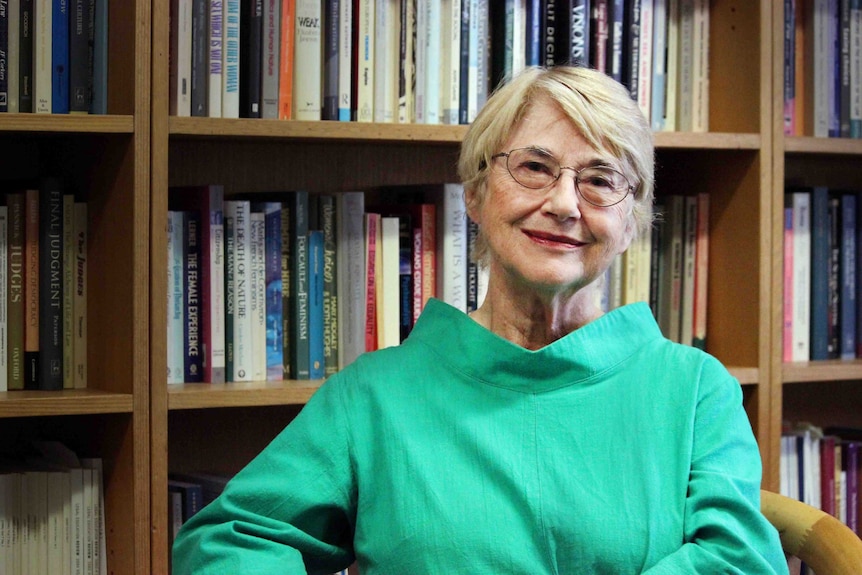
405,275
199,106
844,67
802,291
482,59
631,47
789,63
271,56
372,221
351,265
4,299
213,275
242,368
99,38
834,275
25,58
80,298
433,64
316,361
50,285
700,68
176,309
599,34
388,294
179,76
345,60
385,60
229,290
15,290
192,348
615,39
13,56
855,69
4,56
286,308
659,61
452,280
273,292
299,337
42,56
257,294
474,48
787,329
307,61
31,289
331,61
820,256
330,282
216,57
60,57
79,57
464,64
230,59
365,65
450,90
68,291
429,252
286,60
251,51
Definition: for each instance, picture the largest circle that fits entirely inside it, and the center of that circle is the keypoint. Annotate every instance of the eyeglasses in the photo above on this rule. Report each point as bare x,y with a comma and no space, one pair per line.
535,169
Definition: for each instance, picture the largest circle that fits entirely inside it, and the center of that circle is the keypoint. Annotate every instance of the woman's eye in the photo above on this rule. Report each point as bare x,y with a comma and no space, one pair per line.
537,167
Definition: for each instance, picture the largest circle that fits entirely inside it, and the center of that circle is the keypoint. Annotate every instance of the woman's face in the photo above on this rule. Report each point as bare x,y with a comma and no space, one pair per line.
550,240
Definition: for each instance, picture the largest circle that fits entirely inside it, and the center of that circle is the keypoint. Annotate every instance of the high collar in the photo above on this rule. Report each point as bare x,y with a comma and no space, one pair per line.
473,350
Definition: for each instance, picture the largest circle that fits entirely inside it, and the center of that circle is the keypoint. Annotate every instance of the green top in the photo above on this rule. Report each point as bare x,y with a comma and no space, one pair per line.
612,450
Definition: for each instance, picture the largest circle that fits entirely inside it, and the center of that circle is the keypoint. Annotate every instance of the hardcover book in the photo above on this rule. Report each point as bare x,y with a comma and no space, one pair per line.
50,285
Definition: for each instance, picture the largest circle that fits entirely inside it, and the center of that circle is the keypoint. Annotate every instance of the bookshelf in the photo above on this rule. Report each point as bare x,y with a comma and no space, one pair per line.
221,427
106,160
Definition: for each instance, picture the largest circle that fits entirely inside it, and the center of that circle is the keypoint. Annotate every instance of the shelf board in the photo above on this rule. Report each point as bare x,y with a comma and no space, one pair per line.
240,394
830,146
745,375
244,128
828,370
67,123
65,402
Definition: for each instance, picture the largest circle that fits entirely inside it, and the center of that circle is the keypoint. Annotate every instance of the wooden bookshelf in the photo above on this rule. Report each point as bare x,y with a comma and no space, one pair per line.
225,425
104,160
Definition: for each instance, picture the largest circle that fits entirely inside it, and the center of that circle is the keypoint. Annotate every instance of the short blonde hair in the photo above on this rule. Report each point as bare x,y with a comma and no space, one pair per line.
600,108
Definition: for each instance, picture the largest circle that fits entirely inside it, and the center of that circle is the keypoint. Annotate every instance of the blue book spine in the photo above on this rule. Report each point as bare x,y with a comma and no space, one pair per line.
315,305
616,21
534,33
99,91
848,276
819,273
299,337
274,319
834,58
60,57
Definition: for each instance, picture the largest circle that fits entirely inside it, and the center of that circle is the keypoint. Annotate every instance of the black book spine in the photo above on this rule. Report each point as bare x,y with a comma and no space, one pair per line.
51,285
25,57
79,55
200,58
251,40
331,29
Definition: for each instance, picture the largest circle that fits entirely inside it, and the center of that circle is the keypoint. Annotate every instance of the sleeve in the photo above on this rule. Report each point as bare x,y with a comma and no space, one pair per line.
291,510
725,532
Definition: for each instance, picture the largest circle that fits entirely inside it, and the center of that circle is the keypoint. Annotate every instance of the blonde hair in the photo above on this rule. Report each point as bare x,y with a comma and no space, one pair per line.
601,110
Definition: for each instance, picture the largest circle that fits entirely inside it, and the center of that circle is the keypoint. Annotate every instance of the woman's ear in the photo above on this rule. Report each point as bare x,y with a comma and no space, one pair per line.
471,201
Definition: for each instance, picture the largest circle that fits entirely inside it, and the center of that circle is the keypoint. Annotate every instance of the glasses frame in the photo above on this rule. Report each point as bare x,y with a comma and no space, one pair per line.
628,188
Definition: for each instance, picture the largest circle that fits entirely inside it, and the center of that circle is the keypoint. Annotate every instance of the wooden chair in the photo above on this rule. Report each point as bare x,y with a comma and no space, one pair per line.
817,538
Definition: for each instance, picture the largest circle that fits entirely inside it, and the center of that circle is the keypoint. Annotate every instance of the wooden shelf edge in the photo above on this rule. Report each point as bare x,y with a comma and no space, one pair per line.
821,371
240,394
709,141
745,375
67,123
810,145
66,402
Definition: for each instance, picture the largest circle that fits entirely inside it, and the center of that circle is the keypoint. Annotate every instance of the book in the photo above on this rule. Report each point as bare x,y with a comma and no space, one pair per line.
308,67
616,22
328,225
179,75
79,303
191,495
428,34
4,299
802,240
316,358
701,272
193,305
388,300
208,202
573,33
671,90
297,205
59,57
820,266
599,34
50,363
68,307
631,47
700,67
272,289
80,59
31,289
199,65
286,60
13,43
216,57
15,290
230,59
25,57
345,60
257,293
271,58
330,63
450,60
686,322
464,52
42,56
452,250
386,59
251,54
365,46
787,282
855,65
659,63
645,58
350,248
99,38
372,264
848,280
685,63
175,291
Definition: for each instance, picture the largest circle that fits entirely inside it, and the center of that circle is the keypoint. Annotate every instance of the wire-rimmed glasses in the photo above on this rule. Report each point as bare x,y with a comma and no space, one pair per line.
536,169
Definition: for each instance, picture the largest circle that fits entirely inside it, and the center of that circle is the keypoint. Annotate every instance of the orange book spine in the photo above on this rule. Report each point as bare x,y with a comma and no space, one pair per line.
285,72
429,252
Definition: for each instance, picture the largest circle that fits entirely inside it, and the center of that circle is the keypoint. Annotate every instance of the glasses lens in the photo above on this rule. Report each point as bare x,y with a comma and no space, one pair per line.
532,168
602,186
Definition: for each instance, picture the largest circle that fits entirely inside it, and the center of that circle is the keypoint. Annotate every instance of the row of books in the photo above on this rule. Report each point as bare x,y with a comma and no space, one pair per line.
297,285
822,319
43,283
52,517
821,468
54,56
668,269
823,68
428,62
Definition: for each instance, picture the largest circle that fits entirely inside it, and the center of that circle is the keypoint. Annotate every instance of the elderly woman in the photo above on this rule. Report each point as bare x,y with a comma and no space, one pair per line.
537,435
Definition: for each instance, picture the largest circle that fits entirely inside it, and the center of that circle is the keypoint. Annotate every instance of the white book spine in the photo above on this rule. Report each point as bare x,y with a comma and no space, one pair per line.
659,61
452,237
388,294
216,63
519,41
345,60
231,59
100,556
686,65
78,521
432,63
421,56
242,336
308,66
216,291
80,297
473,60
645,59
700,71
801,276
365,79
672,67
450,91
272,51
42,34
385,59
176,314
257,295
